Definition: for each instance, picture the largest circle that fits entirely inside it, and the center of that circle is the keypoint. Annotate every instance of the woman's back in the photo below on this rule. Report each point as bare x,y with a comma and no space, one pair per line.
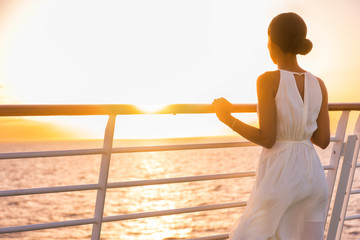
297,114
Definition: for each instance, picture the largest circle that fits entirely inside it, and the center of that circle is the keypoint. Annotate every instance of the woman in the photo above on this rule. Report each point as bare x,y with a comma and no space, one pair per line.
289,198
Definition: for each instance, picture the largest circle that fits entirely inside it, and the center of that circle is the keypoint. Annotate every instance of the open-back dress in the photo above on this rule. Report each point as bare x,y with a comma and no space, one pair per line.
288,201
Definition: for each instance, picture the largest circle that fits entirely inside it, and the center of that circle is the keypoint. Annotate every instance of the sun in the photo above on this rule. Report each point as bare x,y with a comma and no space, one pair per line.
150,108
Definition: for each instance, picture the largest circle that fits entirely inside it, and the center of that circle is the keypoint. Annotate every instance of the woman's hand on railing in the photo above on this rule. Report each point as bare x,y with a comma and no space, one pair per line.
223,109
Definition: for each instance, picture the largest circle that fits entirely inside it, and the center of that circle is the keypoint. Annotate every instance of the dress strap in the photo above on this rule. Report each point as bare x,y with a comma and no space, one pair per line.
306,101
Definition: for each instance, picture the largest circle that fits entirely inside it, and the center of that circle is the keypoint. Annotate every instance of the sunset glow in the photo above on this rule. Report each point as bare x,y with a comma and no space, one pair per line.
151,108
154,53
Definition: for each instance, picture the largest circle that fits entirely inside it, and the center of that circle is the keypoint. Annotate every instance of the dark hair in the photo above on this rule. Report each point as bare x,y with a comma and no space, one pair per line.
288,31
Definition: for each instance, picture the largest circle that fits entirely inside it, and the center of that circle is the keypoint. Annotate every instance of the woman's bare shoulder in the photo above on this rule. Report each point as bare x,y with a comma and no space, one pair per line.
269,76
269,81
322,86
321,82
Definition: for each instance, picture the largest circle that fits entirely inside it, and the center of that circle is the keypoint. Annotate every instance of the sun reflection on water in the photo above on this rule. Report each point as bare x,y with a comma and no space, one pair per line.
156,198
147,199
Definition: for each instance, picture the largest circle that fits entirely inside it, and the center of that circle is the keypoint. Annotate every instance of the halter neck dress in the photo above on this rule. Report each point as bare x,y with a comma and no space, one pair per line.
290,191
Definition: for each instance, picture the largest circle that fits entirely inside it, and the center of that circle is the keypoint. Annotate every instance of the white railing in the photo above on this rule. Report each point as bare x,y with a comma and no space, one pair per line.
348,151
344,189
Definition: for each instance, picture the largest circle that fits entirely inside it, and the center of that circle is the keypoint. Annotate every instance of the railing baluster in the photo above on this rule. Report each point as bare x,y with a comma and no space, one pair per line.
103,177
341,191
336,154
350,180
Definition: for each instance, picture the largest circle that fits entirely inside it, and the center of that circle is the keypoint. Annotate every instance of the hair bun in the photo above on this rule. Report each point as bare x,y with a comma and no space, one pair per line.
304,46
288,31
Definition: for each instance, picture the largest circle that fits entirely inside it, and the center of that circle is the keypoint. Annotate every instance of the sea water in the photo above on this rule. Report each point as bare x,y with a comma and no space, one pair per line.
62,171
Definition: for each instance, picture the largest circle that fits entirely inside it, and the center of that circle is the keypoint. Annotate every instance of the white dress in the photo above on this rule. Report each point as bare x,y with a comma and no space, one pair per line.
289,198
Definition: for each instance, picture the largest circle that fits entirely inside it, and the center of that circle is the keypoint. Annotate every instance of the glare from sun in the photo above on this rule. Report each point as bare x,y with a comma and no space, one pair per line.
151,108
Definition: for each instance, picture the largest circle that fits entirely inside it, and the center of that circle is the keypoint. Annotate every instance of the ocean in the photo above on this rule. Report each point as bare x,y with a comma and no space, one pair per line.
61,171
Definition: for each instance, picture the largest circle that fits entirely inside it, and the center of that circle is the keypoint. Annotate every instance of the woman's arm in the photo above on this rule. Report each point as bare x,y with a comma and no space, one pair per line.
321,136
265,135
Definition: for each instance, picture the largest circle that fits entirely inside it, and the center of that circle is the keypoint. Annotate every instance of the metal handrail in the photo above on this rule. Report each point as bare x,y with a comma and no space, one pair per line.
352,217
122,217
174,211
31,191
126,109
41,226
357,191
137,149
110,109
135,183
120,109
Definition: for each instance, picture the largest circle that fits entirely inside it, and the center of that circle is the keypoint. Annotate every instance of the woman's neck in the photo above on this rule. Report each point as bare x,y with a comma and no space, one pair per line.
289,62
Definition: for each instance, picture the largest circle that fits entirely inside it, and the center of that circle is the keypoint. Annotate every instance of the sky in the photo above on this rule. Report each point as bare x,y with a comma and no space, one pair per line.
154,53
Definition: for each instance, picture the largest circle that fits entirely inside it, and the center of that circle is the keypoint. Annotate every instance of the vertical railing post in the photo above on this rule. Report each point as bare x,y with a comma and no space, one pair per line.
336,154
103,177
342,186
350,180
